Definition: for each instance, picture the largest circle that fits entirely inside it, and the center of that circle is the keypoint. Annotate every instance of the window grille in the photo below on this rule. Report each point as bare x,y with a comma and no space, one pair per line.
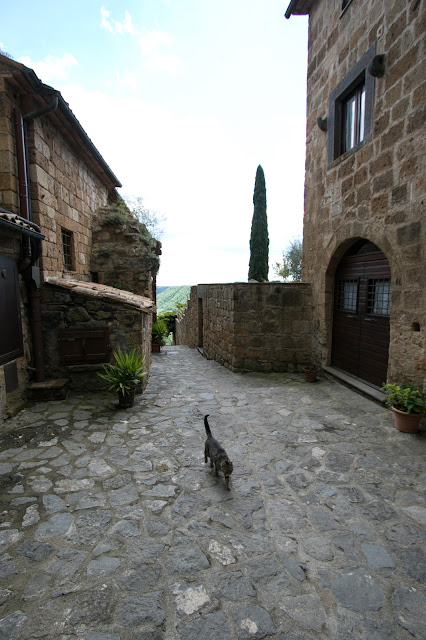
347,295
379,297
67,250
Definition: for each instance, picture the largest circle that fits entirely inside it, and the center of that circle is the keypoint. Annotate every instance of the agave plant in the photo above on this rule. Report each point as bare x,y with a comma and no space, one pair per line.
125,373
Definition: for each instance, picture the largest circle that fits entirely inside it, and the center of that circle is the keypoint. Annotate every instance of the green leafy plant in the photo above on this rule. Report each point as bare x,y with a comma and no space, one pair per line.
159,332
126,372
404,397
115,218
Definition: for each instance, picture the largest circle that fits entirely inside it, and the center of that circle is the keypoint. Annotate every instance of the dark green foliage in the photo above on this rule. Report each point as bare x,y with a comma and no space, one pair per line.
259,238
169,318
168,298
159,332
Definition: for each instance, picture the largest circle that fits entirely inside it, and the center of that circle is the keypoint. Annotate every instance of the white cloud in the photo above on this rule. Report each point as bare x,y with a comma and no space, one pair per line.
118,27
127,78
153,40
168,63
151,43
105,22
51,68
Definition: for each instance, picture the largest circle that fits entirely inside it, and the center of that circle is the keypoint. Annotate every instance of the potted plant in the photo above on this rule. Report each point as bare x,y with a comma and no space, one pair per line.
310,372
159,333
123,375
407,404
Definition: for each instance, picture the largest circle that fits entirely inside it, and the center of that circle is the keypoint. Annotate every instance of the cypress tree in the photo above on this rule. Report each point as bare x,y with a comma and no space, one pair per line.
259,238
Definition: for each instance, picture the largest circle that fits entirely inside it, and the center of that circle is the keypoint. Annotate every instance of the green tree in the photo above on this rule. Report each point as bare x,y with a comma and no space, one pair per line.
259,238
291,267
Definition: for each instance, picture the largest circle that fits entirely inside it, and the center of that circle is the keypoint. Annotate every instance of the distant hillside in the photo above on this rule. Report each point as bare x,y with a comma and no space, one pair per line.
168,297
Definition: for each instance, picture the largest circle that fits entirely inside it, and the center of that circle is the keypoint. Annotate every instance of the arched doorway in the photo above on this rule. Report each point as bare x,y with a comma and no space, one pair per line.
361,313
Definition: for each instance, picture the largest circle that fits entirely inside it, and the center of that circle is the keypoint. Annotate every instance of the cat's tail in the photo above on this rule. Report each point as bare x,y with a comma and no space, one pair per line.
206,424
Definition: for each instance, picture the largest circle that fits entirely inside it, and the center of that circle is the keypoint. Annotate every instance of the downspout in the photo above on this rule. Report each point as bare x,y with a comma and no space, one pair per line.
28,266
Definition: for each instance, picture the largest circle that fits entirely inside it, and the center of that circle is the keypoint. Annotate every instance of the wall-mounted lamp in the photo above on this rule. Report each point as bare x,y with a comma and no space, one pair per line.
377,65
322,123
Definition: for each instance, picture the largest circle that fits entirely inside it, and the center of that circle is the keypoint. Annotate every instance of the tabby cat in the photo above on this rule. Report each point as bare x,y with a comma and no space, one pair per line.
217,454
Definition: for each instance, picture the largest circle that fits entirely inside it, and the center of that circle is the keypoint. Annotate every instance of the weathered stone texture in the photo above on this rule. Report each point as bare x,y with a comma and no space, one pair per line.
378,191
124,254
130,328
250,327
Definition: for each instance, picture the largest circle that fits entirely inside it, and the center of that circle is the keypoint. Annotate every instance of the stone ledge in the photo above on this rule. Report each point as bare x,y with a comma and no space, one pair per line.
355,384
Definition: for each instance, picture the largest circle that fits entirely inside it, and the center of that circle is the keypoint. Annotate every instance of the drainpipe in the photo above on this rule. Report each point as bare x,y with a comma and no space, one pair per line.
30,270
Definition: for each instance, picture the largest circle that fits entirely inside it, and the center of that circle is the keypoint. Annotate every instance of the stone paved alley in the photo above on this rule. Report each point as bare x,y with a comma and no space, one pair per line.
113,528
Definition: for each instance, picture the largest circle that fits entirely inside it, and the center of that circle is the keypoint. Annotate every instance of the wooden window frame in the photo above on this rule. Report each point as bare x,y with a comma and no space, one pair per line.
357,77
67,250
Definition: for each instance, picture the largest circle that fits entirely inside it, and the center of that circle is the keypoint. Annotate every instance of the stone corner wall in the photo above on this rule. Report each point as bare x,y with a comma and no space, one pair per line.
187,326
251,327
124,253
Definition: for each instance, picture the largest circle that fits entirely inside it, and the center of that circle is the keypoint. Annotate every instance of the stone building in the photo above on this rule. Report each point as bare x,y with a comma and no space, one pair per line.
364,242
57,317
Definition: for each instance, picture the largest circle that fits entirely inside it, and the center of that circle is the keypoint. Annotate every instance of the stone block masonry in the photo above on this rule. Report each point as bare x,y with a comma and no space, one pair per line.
375,191
250,326
66,305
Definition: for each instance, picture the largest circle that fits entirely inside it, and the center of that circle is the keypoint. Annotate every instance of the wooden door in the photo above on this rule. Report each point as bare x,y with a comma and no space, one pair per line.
361,314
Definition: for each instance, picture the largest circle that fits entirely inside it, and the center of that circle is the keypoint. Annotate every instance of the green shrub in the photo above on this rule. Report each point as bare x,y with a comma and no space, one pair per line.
404,397
126,372
159,332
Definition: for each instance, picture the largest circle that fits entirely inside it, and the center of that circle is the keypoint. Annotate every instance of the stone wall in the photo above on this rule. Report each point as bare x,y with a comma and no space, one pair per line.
124,253
250,327
376,192
130,328
65,195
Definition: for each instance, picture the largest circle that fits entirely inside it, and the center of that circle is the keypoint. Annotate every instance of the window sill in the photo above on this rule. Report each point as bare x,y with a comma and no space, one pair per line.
346,155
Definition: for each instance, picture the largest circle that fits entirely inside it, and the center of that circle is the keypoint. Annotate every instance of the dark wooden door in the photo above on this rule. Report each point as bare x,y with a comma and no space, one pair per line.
361,314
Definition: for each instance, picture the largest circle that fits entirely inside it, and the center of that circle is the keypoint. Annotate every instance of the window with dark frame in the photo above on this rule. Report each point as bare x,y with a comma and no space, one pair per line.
67,253
350,109
353,118
347,295
379,296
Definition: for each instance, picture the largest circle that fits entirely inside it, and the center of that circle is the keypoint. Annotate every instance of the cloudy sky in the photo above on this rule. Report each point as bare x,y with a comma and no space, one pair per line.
183,99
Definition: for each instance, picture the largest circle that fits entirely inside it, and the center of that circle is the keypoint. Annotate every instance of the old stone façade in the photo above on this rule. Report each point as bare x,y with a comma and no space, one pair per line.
375,191
52,176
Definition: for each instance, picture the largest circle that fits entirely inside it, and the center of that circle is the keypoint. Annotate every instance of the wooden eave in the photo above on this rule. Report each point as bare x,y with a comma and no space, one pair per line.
299,8
25,82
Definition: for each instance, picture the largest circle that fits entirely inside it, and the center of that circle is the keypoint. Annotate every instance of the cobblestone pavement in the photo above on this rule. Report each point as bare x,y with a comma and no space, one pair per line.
113,528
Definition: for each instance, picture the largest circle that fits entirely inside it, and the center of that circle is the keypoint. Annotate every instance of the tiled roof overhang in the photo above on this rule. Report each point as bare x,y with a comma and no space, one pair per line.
11,222
25,82
103,292
299,7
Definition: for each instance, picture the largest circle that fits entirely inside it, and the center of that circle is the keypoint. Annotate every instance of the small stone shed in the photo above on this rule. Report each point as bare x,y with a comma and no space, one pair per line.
84,322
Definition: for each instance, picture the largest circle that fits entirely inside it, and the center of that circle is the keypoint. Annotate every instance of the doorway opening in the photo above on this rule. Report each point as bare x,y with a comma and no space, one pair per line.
361,316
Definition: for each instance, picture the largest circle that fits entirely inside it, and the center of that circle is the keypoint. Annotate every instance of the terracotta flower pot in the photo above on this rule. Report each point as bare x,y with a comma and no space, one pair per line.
407,422
310,374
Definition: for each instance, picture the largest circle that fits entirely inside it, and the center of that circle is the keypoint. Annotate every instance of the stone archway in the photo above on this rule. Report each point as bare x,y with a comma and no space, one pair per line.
361,313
